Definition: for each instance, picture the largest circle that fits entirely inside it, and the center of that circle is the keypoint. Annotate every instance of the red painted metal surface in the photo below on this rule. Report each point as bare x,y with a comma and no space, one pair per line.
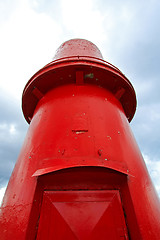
82,215
79,143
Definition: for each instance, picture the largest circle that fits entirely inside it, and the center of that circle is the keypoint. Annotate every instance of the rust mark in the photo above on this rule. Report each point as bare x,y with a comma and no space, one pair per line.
89,75
99,152
80,131
63,151
109,138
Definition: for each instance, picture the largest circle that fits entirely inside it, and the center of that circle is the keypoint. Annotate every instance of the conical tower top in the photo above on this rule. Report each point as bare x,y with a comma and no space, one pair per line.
78,61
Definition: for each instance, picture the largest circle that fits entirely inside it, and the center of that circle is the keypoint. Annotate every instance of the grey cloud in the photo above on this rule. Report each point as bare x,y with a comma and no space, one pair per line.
135,39
134,48
146,129
10,139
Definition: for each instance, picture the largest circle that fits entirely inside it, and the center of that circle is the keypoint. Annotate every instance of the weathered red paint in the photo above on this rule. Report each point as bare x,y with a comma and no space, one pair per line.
80,174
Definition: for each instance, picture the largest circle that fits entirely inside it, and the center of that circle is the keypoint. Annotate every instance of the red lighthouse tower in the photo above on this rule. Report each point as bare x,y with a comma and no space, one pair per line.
80,174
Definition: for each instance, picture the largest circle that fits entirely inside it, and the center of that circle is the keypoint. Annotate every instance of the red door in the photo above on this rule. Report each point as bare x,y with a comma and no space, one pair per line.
82,215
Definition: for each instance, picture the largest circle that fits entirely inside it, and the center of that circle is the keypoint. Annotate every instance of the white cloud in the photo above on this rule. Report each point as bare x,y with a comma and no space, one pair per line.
2,191
35,3
83,19
28,41
12,129
154,170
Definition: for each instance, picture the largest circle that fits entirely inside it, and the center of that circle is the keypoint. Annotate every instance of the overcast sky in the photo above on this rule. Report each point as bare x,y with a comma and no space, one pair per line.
128,35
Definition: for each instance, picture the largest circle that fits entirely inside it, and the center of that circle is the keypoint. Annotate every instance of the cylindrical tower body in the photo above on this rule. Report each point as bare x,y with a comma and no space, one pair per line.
80,174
